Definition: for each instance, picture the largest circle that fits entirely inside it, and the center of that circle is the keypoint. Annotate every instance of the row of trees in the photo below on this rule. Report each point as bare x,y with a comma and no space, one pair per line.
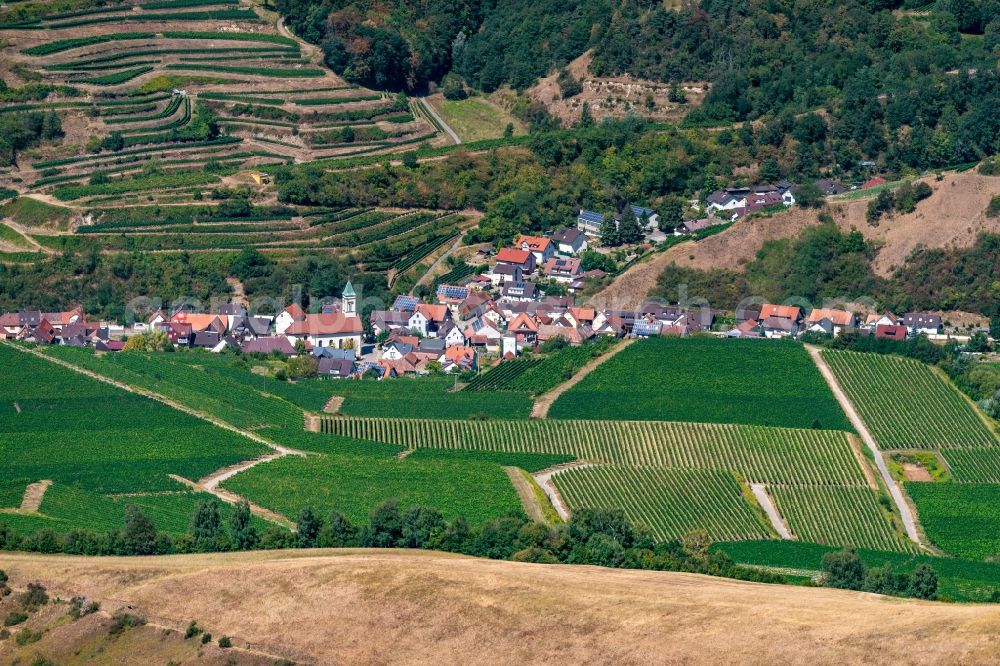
603,538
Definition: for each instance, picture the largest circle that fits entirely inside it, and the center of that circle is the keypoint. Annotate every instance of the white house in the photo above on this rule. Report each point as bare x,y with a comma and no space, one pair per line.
922,323
570,241
287,317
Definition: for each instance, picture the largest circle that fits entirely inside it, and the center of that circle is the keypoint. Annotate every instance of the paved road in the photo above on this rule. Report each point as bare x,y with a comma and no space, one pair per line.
544,479
897,495
772,512
430,109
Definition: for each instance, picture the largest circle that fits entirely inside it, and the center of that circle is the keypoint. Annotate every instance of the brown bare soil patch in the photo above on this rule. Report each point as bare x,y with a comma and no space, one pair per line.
397,606
916,472
613,97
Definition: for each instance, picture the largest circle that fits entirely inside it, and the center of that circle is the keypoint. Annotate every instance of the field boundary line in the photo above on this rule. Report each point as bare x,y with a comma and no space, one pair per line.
862,461
434,114
230,497
905,513
544,479
33,496
543,403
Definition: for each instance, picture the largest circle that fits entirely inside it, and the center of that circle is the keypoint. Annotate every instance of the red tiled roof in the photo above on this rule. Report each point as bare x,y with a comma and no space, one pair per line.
509,255
781,311
331,323
836,317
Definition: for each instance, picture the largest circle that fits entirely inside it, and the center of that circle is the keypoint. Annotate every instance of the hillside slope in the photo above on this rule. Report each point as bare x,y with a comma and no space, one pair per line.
398,606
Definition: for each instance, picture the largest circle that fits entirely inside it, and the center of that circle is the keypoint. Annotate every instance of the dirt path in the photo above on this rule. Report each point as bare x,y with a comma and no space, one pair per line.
544,480
760,492
33,495
540,410
233,498
529,500
333,405
909,521
434,114
239,293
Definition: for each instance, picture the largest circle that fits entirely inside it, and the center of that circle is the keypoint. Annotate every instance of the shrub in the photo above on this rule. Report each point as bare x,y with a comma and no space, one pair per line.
79,607
993,210
192,630
27,637
123,621
15,618
225,642
844,570
34,597
206,638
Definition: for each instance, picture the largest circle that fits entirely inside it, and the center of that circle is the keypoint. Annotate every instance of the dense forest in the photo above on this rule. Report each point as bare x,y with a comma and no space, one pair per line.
902,83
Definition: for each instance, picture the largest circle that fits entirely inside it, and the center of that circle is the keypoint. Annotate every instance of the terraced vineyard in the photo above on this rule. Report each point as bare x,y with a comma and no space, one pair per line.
163,104
51,428
669,476
671,502
906,405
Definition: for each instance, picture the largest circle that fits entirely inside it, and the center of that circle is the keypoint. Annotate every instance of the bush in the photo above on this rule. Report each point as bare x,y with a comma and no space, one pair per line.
27,637
34,597
123,621
206,638
192,630
225,642
993,210
844,570
15,618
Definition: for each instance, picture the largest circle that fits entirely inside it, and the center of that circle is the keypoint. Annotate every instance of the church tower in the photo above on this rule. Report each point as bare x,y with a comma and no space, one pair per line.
349,301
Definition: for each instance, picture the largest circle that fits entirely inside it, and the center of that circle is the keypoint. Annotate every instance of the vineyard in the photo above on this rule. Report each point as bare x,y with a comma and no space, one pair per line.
906,405
707,380
96,442
354,477
536,375
813,474
161,105
670,502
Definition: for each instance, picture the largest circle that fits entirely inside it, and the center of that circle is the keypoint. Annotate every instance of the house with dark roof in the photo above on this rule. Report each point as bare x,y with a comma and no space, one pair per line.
569,241
519,291
830,187
268,345
501,274
562,270
335,368
922,323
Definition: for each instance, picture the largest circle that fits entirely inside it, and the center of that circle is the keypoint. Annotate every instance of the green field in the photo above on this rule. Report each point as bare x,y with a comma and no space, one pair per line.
960,579
537,375
974,465
668,502
707,380
353,477
906,404
95,440
475,119
961,519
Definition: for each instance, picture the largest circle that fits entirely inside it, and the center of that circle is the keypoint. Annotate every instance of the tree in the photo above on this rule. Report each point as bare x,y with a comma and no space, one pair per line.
113,142
671,214
241,527
586,117
809,196
307,528
885,580
609,232
630,228
140,536
338,532
410,159
844,570
770,170
418,525
51,127
384,529
923,582
206,526
452,87
676,94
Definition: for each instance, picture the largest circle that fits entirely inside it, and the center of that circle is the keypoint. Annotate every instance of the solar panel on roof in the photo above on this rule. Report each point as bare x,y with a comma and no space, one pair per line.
449,291
404,302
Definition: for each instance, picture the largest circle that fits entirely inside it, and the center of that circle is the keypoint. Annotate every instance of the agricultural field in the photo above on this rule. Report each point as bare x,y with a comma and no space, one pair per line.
155,105
907,405
961,519
960,579
539,374
707,380
354,477
101,447
670,502
636,464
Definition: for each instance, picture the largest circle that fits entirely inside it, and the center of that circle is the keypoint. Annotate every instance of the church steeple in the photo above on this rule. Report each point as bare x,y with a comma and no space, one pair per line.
349,300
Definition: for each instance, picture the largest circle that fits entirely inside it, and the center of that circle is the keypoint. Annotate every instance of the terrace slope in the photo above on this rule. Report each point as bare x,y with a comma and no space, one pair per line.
356,606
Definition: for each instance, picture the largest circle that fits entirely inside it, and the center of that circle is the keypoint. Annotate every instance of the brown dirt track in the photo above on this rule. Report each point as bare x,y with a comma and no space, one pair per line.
397,606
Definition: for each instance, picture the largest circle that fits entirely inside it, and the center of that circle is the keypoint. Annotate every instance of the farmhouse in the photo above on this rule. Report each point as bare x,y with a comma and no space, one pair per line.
922,323
780,321
832,322
523,259
542,248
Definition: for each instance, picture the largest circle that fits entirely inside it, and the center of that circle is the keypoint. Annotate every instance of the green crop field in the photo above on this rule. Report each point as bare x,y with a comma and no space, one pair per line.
356,480
760,454
657,471
907,405
808,512
94,438
961,519
669,502
707,380
961,579
537,376
974,465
